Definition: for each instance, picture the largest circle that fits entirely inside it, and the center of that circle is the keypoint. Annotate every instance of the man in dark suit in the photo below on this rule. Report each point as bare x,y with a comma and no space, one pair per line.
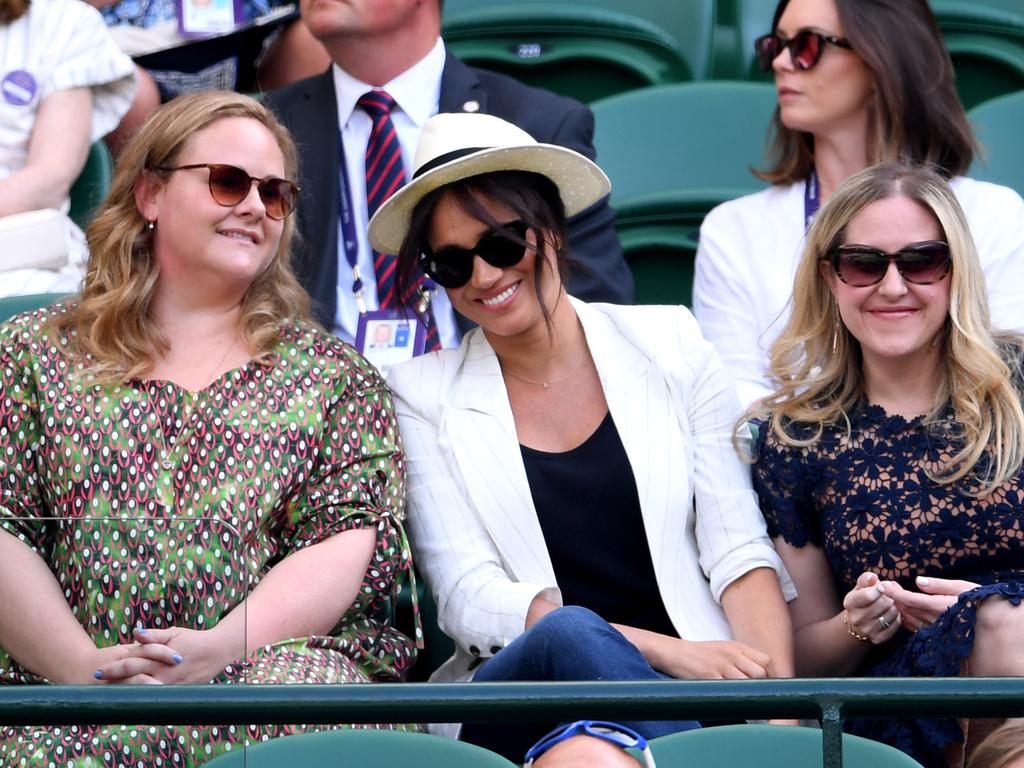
395,45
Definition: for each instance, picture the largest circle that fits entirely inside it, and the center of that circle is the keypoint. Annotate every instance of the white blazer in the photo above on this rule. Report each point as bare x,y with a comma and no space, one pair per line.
475,532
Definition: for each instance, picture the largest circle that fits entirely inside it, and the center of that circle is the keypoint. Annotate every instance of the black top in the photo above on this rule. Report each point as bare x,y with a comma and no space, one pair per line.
589,511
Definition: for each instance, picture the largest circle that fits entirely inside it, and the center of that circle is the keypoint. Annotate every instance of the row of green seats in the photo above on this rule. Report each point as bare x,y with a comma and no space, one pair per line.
592,49
728,746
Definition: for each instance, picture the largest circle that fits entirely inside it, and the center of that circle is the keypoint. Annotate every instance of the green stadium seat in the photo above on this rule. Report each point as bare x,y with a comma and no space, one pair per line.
734,57
91,185
691,23
578,51
360,748
998,124
769,746
693,149
14,305
985,39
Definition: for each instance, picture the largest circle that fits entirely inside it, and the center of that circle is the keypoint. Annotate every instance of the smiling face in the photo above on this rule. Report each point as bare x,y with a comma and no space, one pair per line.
831,97
894,320
502,301
197,241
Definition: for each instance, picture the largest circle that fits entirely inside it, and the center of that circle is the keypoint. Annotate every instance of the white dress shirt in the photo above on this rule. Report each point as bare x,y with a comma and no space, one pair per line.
750,248
417,93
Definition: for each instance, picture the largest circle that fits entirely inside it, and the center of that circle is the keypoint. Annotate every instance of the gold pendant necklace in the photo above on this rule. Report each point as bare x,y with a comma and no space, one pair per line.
547,382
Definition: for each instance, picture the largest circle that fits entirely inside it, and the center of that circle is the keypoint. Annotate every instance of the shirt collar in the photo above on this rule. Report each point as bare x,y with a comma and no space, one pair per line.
417,91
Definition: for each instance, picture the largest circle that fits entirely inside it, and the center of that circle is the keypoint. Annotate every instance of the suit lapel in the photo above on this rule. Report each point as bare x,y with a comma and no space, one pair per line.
318,209
460,87
487,450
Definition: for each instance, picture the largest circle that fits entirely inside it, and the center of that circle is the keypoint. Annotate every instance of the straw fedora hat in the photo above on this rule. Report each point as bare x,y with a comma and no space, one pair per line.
456,146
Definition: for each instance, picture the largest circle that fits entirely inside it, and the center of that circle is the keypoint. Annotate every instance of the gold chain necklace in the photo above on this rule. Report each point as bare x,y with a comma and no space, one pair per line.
548,382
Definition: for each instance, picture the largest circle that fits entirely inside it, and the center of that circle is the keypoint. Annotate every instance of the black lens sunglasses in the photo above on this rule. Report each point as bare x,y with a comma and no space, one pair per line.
452,267
921,263
805,48
229,185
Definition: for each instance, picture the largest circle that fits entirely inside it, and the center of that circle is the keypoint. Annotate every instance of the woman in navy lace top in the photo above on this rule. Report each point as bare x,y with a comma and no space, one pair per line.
888,461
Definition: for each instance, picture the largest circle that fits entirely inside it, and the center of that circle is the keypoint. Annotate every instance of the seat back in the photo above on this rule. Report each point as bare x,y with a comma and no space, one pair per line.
572,49
15,305
91,185
770,746
985,39
360,748
672,153
691,24
999,124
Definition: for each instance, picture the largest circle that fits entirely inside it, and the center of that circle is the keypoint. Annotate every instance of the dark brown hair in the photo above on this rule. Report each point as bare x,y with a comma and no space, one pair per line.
533,198
916,114
11,10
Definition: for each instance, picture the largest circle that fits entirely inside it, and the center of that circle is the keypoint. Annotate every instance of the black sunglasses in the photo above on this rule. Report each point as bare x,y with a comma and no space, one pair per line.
229,185
805,48
451,266
921,263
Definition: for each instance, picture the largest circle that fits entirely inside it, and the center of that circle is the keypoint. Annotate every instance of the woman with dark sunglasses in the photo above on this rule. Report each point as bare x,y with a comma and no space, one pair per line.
555,457
888,462
196,484
858,82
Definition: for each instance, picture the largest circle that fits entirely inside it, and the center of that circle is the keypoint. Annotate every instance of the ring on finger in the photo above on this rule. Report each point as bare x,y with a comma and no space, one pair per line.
884,622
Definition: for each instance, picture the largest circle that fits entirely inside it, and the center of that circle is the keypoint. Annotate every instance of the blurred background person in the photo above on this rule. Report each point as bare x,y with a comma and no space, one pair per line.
358,124
64,84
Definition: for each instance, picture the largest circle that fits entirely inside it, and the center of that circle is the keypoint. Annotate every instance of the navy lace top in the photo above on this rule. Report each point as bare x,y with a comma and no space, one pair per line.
868,502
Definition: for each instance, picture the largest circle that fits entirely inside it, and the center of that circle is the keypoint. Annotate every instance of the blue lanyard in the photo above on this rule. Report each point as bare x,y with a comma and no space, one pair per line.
812,198
348,228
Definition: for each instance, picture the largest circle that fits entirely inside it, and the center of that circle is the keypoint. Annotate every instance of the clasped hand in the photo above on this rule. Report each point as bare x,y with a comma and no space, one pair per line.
160,656
877,609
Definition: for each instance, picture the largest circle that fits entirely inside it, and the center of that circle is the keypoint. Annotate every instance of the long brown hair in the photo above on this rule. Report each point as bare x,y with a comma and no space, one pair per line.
113,330
11,10
916,114
816,361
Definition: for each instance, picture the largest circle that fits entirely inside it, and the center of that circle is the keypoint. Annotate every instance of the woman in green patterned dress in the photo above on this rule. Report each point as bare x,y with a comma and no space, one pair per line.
196,485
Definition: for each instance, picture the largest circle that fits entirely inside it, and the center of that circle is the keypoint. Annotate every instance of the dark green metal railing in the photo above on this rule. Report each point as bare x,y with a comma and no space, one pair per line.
829,700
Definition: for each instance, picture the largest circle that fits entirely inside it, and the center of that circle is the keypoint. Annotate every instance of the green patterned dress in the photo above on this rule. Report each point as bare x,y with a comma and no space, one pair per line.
158,507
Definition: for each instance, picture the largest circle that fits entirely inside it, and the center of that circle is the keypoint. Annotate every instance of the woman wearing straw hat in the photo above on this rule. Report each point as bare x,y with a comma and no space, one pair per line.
575,501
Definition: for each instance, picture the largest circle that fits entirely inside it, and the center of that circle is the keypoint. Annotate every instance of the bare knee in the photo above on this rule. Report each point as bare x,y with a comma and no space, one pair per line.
997,646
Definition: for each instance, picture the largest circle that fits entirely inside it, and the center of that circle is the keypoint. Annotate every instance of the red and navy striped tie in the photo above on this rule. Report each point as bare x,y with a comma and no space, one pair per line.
385,175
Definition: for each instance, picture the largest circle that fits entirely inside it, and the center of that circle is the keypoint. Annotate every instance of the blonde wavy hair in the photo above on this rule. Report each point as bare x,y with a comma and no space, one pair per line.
110,329
816,361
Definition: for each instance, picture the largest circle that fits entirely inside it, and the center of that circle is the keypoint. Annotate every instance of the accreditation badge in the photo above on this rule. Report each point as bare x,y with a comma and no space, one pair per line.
387,337
204,18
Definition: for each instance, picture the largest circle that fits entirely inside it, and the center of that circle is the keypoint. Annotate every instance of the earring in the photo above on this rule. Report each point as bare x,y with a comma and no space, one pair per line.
150,225
834,311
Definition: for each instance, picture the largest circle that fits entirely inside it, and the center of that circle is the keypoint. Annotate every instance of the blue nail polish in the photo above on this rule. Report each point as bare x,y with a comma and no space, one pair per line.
98,674
141,630
176,658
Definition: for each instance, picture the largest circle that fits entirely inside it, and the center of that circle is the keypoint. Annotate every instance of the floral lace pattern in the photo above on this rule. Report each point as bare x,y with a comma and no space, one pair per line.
868,502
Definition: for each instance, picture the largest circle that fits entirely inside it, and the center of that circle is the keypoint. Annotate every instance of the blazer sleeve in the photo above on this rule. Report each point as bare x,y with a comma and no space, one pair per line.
479,604
732,536
725,299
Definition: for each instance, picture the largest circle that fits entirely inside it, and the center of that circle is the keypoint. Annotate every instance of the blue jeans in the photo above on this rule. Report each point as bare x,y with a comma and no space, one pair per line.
570,644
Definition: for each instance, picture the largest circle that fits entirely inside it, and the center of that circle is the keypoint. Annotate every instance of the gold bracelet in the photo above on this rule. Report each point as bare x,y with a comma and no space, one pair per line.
851,631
